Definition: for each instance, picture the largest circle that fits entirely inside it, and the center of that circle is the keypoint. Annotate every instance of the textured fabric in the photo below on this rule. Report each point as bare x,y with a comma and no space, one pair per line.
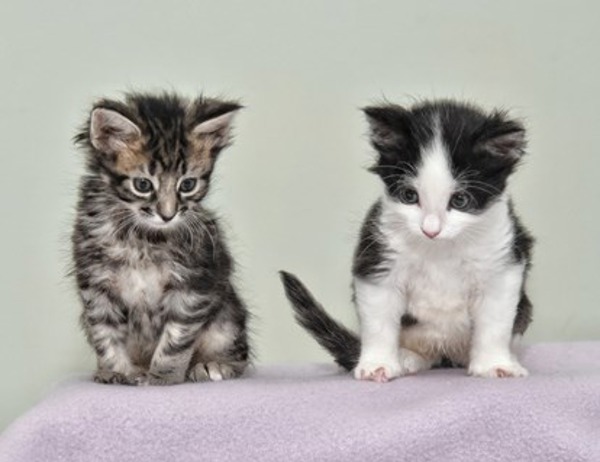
315,412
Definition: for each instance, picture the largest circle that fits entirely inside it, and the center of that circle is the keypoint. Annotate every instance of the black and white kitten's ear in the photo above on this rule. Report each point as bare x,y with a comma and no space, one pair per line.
213,127
112,132
503,138
388,127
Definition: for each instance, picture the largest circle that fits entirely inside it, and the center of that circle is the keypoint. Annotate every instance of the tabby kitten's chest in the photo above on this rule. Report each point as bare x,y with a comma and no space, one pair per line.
141,274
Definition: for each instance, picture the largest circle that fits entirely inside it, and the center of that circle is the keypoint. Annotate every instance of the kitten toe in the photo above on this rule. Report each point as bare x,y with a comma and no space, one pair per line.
106,376
380,372
215,371
154,378
103,376
198,373
500,370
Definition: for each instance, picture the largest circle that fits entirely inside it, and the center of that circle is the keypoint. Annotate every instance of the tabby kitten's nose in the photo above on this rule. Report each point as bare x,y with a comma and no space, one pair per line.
166,215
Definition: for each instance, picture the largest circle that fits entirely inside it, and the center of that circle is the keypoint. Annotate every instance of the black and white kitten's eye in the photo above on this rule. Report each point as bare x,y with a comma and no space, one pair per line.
142,185
408,196
460,201
188,185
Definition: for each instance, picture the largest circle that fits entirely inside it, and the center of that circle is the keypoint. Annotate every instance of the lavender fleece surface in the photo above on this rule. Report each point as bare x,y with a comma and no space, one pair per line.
317,413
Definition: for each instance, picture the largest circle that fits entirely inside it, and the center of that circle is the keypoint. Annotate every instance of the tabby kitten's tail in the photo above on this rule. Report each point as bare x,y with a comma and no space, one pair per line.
342,343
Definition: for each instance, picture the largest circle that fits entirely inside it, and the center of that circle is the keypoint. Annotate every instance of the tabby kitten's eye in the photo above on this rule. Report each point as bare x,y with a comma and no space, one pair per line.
188,185
460,201
142,185
409,196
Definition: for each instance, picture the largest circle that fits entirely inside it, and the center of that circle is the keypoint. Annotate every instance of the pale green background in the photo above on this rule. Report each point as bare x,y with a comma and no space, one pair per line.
294,187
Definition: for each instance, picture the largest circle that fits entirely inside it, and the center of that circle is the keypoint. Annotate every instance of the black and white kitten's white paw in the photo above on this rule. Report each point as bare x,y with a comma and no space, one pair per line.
412,362
214,371
497,369
379,370
383,370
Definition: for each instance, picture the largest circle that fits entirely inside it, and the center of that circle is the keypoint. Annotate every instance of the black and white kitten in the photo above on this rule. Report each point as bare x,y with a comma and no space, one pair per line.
440,268
152,268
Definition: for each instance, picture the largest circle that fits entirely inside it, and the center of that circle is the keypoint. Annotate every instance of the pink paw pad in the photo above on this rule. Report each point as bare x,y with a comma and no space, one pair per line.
379,375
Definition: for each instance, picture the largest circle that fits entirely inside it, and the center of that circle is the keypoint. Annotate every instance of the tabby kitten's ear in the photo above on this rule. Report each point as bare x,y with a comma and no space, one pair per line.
389,127
112,132
502,138
210,123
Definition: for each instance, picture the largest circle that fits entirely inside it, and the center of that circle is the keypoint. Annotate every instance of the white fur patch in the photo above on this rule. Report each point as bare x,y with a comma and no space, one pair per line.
216,339
141,285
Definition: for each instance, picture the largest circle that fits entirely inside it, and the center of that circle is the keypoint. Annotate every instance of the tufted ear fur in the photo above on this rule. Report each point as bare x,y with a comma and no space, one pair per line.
388,127
217,129
112,132
502,138
209,121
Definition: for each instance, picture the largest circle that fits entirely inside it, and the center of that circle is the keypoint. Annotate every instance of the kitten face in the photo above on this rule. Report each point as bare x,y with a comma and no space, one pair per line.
443,164
156,154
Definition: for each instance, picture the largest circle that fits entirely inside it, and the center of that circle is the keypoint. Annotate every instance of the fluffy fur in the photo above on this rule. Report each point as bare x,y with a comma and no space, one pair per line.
152,268
442,260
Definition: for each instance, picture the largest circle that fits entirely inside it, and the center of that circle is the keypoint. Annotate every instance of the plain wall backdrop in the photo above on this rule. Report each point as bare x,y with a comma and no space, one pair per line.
293,189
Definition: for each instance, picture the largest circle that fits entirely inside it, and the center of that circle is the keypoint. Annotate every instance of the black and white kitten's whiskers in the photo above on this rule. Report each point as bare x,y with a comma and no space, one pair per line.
440,268
152,268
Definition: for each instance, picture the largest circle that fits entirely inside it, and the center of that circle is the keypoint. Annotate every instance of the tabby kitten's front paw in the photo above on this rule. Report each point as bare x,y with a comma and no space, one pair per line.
214,371
153,378
500,369
106,376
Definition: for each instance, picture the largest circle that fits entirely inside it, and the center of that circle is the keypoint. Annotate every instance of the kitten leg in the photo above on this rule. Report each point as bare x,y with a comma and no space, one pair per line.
380,309
105,324
491,354
222,352
188,313
173,353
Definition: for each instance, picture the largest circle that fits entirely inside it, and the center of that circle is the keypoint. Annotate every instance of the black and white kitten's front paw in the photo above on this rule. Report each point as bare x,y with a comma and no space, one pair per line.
381,370
385,369
497,368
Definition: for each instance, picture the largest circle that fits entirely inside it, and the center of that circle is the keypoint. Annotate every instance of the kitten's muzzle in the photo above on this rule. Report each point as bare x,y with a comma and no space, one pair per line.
430,234
431,226
166,213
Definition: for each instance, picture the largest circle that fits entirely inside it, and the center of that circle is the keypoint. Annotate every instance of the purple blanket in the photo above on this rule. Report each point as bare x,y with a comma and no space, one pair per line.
315,412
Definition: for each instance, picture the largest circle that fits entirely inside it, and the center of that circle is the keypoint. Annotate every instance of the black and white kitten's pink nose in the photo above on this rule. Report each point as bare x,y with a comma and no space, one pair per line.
431,226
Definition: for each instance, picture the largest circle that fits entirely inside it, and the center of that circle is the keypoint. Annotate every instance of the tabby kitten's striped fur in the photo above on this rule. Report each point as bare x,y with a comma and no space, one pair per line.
153,271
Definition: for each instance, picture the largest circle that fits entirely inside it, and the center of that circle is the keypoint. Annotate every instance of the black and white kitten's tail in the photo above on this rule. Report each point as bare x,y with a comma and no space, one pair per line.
342,343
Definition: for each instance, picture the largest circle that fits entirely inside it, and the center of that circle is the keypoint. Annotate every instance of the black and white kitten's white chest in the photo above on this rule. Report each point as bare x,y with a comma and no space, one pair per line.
442,283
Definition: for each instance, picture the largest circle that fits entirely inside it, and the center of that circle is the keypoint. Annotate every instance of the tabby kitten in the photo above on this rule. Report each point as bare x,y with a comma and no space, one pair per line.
152,268
440,268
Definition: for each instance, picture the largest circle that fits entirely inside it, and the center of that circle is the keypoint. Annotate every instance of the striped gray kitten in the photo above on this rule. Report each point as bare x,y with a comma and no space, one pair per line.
152,268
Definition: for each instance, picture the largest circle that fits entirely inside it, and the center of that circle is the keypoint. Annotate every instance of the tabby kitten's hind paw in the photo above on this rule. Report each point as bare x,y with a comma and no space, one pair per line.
215,371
